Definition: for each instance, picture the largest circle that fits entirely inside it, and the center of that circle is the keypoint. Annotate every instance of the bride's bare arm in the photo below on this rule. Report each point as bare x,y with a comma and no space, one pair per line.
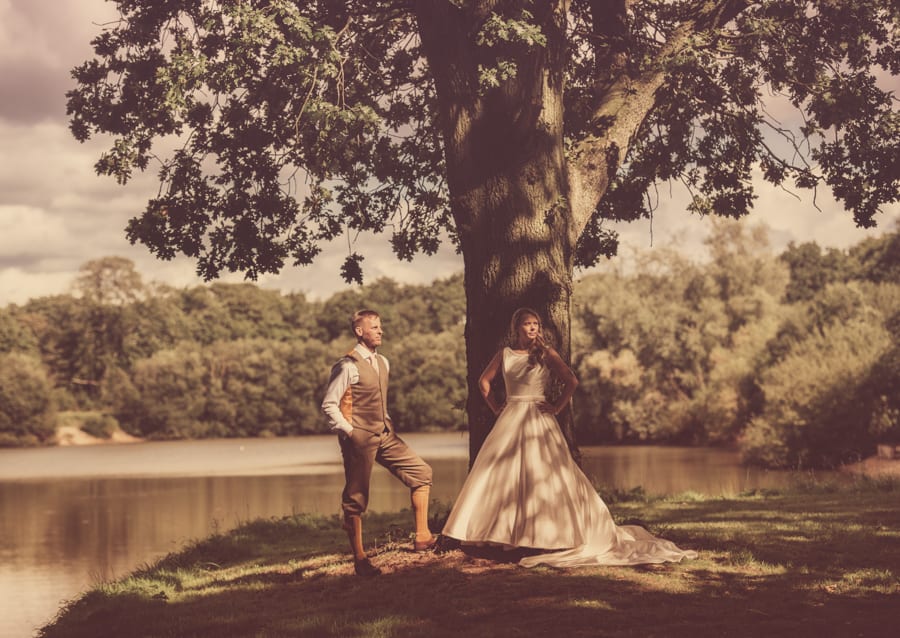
484,382
564,373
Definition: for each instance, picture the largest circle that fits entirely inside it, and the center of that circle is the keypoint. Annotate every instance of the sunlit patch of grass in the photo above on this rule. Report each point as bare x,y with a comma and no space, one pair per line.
881,581
687,497
860,483
750,564
859,583
591,603
385,627
139,587
758,493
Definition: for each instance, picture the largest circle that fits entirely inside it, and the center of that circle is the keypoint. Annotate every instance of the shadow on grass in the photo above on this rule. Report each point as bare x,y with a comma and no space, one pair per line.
798,565
835,531
433,600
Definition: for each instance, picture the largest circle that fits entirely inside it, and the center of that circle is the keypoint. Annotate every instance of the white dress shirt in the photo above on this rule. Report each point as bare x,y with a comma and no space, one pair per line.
343,375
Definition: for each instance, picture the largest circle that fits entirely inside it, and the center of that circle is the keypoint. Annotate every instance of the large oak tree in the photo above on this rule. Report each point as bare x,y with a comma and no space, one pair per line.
514,129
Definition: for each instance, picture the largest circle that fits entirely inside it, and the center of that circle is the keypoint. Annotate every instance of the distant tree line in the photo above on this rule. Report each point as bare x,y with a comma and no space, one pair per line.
793,358
217,360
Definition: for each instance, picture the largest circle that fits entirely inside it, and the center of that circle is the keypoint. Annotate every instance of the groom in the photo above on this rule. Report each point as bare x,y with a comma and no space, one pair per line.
356,405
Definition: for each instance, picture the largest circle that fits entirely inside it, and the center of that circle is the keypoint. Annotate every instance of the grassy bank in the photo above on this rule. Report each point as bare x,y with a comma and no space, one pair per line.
815,561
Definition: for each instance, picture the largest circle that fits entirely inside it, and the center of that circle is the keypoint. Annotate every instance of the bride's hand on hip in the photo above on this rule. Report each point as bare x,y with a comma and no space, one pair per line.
547,408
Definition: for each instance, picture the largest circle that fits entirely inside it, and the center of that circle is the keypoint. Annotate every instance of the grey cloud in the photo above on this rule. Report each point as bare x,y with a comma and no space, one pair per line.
32,94
61,31
30,263
37,257
42,40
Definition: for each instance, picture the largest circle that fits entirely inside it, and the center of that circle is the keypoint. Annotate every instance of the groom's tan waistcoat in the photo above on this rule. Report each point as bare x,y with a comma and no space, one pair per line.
364,404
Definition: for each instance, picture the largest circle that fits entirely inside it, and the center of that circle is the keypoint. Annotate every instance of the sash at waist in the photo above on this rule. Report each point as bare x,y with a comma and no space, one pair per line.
525,398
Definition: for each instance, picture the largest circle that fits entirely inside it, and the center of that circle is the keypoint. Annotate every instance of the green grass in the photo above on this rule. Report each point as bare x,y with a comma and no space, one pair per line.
818,560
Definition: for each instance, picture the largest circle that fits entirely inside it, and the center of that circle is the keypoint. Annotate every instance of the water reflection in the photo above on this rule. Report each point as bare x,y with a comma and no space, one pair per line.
71,517
59,537
662,470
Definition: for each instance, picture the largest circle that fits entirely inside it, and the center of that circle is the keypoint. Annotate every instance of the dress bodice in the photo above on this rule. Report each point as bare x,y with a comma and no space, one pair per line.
520,379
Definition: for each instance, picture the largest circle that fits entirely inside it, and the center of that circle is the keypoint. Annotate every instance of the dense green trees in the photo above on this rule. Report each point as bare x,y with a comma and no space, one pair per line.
794,359
27,413
223,359
811,414
428,384
671,348
244,387
15,336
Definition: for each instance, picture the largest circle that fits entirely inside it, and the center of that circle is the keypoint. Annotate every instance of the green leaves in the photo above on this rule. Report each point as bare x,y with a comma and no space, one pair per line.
506,33
720,115
351,270
27,411
296,122
520,30
276,110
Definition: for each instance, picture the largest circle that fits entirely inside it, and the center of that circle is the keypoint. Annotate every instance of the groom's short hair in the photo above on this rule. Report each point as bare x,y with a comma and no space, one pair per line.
359,315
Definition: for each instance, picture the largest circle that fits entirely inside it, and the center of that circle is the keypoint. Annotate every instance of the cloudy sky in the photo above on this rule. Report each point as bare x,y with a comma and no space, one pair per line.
56,214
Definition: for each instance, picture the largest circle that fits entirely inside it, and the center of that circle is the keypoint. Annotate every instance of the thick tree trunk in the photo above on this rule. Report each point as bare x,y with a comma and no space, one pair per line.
512,264
506,171
518,203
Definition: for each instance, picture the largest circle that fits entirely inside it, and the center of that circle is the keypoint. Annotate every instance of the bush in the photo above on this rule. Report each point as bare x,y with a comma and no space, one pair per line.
27,411
815,413
247,387
101,426
879,393
428,382
168,397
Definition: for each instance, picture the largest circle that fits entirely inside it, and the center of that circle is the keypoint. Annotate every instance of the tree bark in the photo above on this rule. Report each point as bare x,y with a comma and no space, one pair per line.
519,198
507,177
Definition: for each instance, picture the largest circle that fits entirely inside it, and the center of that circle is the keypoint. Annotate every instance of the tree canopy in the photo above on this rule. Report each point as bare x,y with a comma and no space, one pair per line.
515,128
293,122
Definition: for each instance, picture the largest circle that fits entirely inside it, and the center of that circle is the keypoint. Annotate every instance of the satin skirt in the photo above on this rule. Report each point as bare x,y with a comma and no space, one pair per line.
525,491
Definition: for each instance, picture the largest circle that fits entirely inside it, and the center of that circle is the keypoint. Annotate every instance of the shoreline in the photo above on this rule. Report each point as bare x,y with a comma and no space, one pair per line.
874,467
69,435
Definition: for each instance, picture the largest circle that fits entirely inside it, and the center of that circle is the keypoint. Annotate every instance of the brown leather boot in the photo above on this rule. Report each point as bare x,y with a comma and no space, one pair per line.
365,569
361,565
425,540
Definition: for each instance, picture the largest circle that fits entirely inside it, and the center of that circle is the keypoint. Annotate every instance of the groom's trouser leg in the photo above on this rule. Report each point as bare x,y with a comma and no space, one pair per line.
358,451
416,474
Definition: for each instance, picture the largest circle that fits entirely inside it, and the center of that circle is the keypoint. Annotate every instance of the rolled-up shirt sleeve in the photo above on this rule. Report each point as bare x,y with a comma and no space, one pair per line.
342,377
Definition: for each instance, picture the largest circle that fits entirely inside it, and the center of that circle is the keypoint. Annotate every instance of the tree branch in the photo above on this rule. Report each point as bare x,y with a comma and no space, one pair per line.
624,103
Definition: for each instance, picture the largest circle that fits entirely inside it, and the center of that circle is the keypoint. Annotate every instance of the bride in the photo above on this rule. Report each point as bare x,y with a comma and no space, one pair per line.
524,489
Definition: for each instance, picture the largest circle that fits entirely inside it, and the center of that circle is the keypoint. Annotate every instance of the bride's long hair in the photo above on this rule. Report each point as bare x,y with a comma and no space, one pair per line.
536,351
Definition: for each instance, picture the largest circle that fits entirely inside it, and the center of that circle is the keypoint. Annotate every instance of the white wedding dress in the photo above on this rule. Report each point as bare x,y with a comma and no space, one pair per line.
525,490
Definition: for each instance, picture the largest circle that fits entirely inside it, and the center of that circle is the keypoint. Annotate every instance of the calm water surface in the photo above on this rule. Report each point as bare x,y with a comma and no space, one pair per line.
71,517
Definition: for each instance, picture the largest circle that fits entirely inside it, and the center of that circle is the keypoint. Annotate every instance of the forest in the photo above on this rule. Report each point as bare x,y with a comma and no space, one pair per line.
792,358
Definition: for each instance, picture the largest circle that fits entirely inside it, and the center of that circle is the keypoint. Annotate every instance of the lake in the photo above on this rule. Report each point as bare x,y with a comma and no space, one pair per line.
71,517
